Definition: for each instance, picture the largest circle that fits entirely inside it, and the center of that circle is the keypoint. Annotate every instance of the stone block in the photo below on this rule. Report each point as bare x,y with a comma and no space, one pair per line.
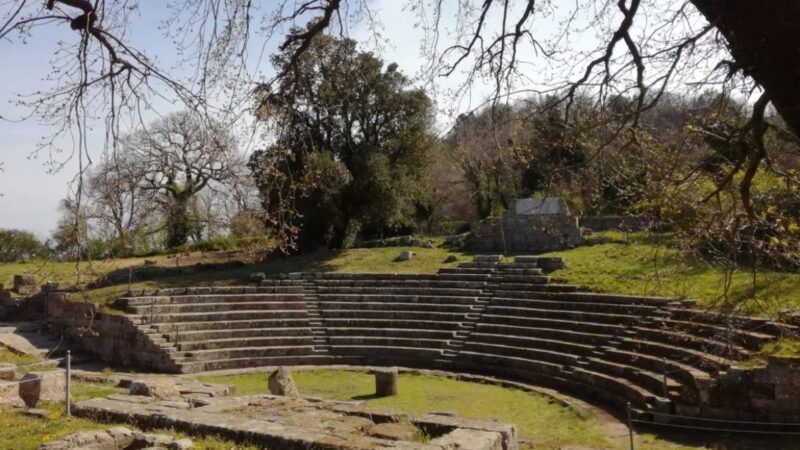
154,387
466,439
396,431
385,382
42,386
257,277
405,256
280,383
8,371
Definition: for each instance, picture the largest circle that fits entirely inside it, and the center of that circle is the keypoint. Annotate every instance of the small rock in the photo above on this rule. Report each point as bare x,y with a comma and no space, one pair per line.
398,431
150,262
41,386
257,277
450,259
37,413
405,256
181,444
281,383
122,436
8,372
154,387
427,244
416,243
148,440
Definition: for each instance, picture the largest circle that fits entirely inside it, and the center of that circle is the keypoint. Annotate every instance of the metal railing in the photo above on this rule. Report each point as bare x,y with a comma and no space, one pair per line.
721,426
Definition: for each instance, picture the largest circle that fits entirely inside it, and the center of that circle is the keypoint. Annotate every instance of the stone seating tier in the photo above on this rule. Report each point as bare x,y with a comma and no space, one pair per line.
485,317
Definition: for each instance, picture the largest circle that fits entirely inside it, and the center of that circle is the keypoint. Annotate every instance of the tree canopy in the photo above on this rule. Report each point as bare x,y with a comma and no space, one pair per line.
352,147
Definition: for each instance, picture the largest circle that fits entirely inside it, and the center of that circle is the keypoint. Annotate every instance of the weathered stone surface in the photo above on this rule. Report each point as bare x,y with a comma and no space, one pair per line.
37,413
91,440
181,444
405,255
24,284
466,439
385,382
280,383
257,277
396,431
41,386
154,387
8,371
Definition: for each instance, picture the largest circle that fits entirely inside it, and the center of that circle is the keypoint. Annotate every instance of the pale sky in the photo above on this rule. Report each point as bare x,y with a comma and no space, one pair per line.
30,190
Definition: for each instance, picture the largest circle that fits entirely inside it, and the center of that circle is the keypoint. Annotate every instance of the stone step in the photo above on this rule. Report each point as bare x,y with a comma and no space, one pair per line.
578,316
268,361
546,333
525,342
651,381
520,352
589,297
274,314
699,343
438,316
750,340
211,298
245,352
214,307
468,271
370,322
705,361
763,326
339,304
416,333
398,291
383,341
431,283
270,341
377,297
552,322
612,308
488,258
686,374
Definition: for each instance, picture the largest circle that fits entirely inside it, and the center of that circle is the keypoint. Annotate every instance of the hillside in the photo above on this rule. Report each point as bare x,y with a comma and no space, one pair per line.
630,264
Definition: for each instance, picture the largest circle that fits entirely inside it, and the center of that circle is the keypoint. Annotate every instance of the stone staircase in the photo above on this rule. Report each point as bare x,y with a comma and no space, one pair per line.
488,316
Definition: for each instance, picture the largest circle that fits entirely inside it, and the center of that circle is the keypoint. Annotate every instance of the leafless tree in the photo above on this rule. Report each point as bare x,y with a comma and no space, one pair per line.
177,158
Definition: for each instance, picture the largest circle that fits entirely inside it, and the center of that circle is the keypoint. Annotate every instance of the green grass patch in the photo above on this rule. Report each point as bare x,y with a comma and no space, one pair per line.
536,416
7,356
652,265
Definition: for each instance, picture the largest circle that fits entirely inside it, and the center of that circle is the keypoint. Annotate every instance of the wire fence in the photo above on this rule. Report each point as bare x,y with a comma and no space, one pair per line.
706,425
42,376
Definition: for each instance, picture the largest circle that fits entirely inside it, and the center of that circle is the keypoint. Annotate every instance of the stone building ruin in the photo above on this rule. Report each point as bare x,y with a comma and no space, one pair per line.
534,225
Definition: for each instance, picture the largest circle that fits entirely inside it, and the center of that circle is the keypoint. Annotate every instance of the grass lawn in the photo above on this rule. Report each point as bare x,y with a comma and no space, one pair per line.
540,422
644,268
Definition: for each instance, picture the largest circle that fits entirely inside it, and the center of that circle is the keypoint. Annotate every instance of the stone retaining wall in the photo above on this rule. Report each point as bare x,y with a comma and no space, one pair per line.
114,339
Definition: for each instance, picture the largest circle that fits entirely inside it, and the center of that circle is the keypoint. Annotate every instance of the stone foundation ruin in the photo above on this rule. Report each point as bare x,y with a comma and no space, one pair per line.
486,317
289,423
533,225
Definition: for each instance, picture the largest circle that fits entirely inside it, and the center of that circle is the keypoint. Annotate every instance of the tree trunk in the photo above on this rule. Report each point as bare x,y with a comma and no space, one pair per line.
764,39
178,226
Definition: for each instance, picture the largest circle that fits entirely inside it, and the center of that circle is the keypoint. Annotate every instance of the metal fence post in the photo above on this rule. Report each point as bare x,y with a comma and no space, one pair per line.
69,376
630,424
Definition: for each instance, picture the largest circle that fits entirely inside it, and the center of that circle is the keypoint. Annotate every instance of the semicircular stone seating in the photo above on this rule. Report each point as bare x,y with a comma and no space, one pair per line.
508,320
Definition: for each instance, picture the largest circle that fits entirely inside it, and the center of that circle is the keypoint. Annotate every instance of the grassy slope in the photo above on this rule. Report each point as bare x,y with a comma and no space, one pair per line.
635,267
642,267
